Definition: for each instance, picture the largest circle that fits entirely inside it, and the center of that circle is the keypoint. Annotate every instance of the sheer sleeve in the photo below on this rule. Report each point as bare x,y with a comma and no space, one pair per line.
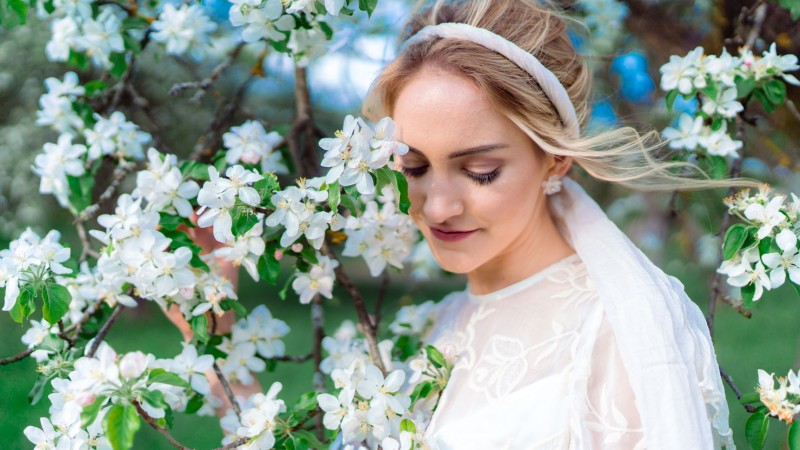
610,419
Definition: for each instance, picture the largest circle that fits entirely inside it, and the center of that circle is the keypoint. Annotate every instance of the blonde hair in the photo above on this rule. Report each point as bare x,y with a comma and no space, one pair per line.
621,155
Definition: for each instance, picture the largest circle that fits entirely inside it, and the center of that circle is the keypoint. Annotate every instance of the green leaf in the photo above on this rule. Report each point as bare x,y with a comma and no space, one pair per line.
402,188
385,177
750,397
78,59
90,412
744,86
747,294
172,222
268,266
671,96
349,203
194,404
761,95
776,91
200,327
135,23
796,287
422,390
326,29
24,306
794,434
309,254
306,402
38,389
194,169
752,237
86,113
56,302
710,90
247,219
435,357
408,425
267,186
756,430
765,245
119,64
234,305
162,376
309,438
121,424
80,195
94,87
20,7
734,239
154,398
717,166
793,6
282,293
334,195
132,44
368,6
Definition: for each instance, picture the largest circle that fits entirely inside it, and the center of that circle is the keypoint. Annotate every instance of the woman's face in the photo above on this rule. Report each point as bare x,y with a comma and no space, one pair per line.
474,178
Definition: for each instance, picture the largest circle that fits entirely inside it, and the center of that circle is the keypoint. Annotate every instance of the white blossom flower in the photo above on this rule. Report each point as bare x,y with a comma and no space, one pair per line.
65,35
133,364
263,330
102,36
117,136
184,30
57,112
720,143
318,280
685,74
250,143
724,105
768,216
787,261
336,408
258,421
192,368
56,163
413,319
246,249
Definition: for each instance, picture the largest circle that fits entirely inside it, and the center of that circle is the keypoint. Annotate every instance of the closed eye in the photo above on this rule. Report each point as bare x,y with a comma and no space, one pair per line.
482,178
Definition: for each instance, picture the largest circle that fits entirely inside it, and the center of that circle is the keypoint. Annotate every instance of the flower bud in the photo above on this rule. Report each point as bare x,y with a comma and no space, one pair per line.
133,364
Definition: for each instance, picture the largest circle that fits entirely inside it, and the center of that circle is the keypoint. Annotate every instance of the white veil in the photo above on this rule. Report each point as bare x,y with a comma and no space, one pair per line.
662,336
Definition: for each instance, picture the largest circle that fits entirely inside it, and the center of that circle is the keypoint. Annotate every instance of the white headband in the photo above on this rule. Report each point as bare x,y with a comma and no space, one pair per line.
552,88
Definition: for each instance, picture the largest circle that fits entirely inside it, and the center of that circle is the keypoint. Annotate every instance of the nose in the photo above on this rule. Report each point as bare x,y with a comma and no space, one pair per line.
442,200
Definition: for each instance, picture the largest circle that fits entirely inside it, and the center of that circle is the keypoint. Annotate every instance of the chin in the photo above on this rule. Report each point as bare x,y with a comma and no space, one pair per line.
455,262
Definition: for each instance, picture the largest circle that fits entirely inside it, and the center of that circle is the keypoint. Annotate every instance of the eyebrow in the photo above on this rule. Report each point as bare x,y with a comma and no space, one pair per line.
466,152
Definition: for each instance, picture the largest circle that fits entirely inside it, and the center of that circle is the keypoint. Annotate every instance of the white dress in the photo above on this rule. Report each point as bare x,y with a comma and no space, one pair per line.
537,367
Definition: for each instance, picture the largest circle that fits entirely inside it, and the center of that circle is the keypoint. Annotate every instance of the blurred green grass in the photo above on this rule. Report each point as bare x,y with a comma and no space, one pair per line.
768,340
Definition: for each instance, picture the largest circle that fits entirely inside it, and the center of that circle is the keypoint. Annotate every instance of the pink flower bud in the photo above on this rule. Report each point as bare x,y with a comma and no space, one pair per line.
278,254
133,364
297,248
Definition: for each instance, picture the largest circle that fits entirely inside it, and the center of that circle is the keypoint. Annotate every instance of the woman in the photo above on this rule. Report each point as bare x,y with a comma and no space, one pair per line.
567,336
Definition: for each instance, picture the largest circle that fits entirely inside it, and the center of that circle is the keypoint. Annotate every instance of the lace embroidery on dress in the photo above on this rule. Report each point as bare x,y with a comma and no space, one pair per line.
536,367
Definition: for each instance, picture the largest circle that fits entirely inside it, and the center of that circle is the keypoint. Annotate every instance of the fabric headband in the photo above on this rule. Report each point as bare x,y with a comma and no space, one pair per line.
552,88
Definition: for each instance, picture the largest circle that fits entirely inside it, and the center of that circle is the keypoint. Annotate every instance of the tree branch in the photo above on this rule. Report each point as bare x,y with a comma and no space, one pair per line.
203,85
104,331
729,380
17,357
120,172
228,392
150,421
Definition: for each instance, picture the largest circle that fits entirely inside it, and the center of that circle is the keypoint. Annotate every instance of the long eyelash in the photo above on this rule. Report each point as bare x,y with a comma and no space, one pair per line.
483,178
413,171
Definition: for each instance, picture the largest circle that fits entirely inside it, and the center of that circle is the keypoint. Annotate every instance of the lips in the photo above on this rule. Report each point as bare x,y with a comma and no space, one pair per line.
451,235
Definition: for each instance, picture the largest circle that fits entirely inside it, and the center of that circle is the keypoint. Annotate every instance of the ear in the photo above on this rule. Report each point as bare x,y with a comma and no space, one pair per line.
559,165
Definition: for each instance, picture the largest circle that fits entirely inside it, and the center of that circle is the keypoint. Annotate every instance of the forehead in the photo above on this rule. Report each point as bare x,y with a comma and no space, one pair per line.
438,109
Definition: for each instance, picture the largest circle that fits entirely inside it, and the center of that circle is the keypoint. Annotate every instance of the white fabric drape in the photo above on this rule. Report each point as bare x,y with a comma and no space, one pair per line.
662,335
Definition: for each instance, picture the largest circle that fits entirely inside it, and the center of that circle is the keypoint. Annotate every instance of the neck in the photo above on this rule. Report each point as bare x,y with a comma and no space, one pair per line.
539,248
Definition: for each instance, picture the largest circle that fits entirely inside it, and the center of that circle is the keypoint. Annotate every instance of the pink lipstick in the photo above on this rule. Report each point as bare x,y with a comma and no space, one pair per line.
451,235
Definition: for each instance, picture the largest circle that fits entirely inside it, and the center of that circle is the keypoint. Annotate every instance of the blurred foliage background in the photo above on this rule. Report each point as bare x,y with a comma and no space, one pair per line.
629,41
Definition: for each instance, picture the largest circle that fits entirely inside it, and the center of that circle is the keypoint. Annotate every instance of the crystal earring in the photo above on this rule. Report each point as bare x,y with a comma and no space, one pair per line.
552,185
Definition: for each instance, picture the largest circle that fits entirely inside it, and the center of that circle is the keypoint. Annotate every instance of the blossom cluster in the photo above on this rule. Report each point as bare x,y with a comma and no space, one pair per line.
220,194
253,339
104,381
358,151
258,420
720,83
249,143
184,30
298,211
783,402
30,259
76,29
318,280
114,135
382,234
762,251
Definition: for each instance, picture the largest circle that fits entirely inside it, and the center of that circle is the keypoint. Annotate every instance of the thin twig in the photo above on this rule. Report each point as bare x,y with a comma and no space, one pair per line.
203,85
228,392
120,172
729,380
15,358
383,289
317,322
87,249
295,359
104,331
235,444
150,421
361,308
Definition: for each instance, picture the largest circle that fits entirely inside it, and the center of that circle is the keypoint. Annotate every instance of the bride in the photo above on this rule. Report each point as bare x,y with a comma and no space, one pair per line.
566,336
